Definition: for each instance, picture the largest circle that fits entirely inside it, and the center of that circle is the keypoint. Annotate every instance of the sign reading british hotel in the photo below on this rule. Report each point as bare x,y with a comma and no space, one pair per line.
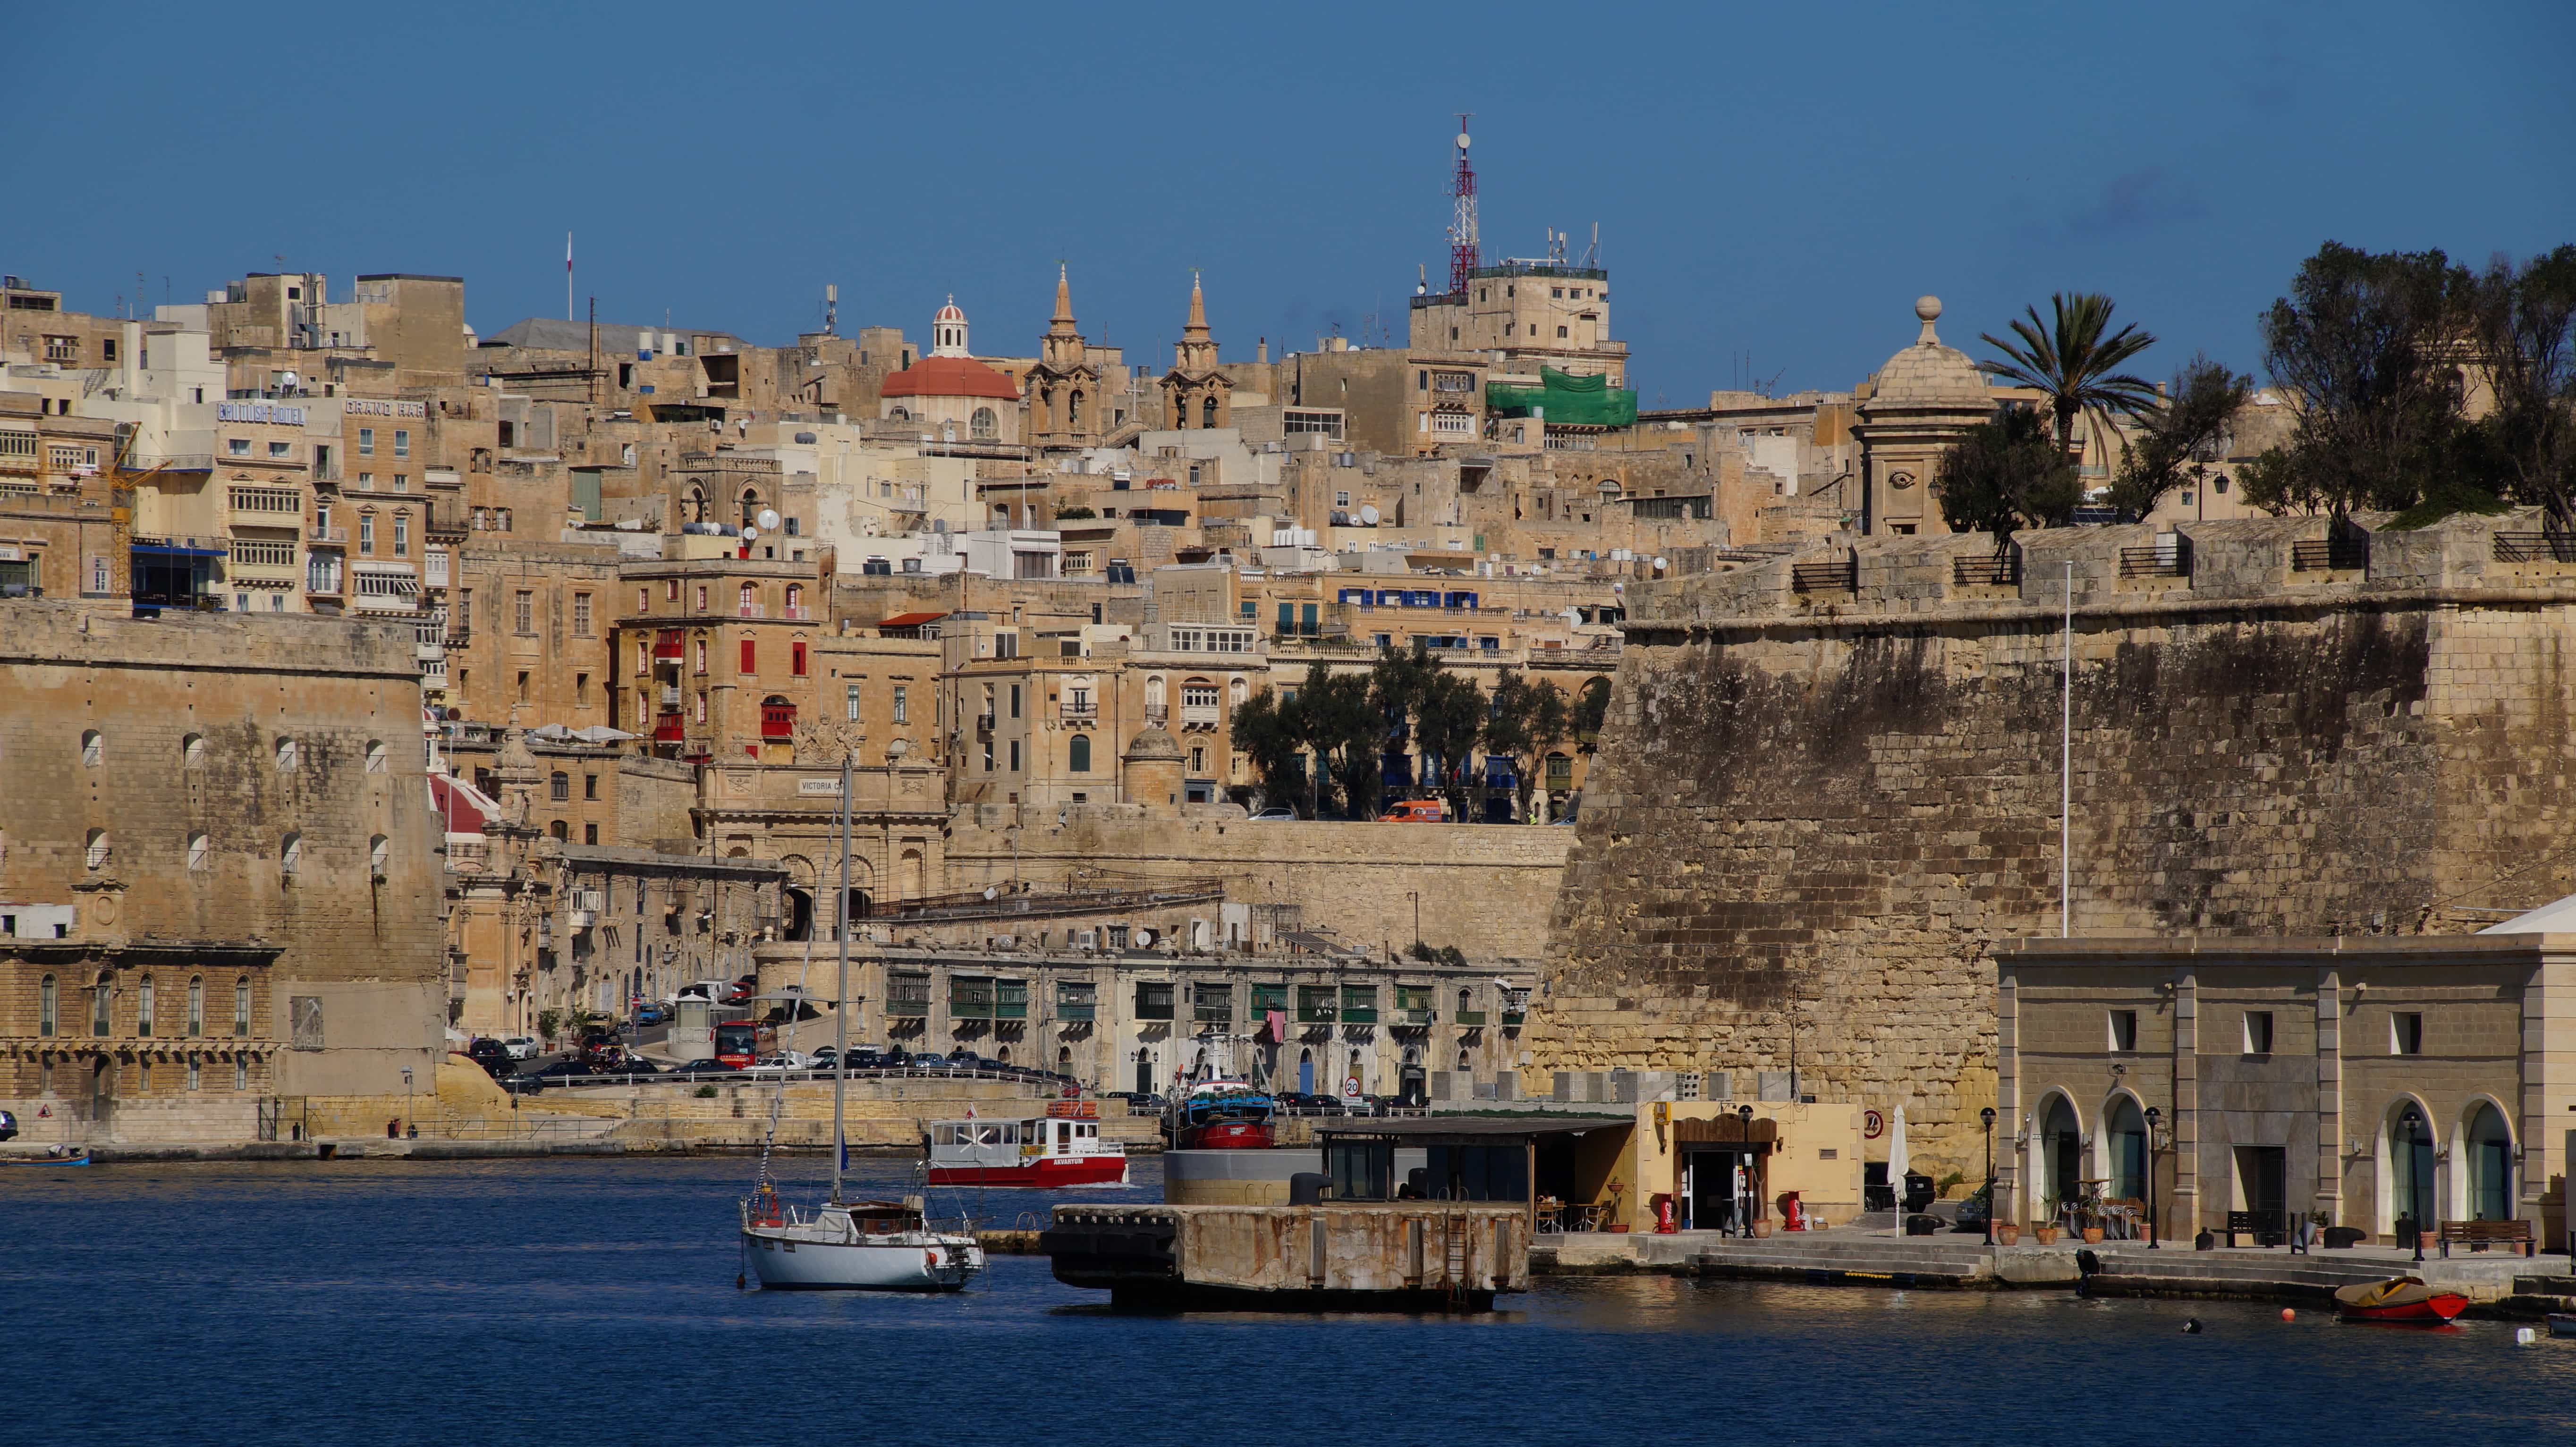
259,412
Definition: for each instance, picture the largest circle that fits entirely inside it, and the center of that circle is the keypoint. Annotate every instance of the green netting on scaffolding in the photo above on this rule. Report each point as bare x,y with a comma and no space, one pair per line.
1568,399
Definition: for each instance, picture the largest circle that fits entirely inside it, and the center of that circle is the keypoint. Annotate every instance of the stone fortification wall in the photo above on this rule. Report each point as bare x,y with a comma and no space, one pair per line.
1486,888
1816,810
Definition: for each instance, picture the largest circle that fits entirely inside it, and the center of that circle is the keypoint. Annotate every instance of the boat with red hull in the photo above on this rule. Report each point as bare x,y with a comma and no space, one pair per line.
1061,1148
2400,1299
1222,1115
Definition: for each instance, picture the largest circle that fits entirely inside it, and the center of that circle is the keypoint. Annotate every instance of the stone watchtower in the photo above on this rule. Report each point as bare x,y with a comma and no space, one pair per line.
1919,403
1153,774
1197,392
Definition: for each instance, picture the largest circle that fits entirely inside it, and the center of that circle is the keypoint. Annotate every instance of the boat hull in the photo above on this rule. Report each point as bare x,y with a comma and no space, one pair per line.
1224,1135
1040,1173
786,1262
2433,1310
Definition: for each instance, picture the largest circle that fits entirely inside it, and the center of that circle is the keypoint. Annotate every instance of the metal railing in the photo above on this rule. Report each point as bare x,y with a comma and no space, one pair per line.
2159,561
1839,576
2539,547
1994,570
2335,554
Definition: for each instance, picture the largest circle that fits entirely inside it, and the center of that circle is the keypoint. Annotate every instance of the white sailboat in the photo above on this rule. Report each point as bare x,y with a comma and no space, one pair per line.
849,1245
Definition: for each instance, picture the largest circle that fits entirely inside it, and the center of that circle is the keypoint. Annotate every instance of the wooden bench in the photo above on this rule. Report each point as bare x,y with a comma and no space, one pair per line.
2479,1235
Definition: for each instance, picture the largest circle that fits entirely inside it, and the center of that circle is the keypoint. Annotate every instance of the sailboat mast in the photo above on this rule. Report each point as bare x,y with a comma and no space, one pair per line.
841,1004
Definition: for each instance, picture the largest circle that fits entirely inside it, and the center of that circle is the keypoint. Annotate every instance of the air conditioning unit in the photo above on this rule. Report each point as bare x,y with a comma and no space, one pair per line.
583,919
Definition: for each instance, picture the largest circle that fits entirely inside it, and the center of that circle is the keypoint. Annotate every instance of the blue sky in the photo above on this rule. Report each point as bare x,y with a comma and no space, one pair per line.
1774,184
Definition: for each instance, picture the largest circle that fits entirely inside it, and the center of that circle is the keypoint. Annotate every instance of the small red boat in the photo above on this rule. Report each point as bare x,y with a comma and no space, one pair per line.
1062,1149
1222,1115
2400,1298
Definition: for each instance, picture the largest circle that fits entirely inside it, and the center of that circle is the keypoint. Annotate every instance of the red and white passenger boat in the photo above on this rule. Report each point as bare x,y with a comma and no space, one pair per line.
1063,1148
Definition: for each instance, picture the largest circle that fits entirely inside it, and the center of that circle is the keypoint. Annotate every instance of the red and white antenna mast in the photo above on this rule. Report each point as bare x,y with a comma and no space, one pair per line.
1462,221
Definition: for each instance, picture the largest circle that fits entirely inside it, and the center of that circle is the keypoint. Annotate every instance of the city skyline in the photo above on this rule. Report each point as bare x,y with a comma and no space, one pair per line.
1768,219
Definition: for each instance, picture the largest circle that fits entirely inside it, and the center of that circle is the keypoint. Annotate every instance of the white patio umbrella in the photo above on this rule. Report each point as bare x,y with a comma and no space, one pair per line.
1897,1166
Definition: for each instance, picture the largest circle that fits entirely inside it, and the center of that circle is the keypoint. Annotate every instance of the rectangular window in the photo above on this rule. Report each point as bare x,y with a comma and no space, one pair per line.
750,656
2405,1033
1015,756
850,702
241,1073
581,690
2124,1029
2258,1032
902,712
237,446
523,611
1015,700
1153,1000
281,449
402,535
366,442
589,833
366,533
581,614
796,659
590,786
402,443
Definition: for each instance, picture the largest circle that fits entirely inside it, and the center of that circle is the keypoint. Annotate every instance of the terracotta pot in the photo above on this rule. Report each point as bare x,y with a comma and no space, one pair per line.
2092,1235
1619,1228
2429,1240
2047,1235
1761,1229
2008,1235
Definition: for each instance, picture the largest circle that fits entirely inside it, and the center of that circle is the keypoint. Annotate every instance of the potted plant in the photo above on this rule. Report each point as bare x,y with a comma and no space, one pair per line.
2092,1232
1761,1228
2045,1231
2008,1233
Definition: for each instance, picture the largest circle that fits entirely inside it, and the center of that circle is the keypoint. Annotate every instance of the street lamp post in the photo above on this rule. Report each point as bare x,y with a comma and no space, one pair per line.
2154,1237
2415,1191
1744,1174
1987,1115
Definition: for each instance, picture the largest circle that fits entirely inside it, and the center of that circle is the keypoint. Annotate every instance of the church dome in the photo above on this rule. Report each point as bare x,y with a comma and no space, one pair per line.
949,313
950,377
1929,374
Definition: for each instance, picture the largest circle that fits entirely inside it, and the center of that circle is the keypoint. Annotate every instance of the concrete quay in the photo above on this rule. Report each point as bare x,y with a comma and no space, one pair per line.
2496,1284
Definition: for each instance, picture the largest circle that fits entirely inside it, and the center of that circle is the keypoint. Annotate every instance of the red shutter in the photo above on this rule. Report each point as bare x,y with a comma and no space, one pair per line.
796,659
750,651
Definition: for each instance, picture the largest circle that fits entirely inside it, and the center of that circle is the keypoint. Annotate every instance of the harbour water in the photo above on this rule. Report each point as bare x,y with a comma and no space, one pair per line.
579,1300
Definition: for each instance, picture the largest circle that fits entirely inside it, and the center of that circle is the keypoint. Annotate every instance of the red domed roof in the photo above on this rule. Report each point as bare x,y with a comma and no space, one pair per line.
950,377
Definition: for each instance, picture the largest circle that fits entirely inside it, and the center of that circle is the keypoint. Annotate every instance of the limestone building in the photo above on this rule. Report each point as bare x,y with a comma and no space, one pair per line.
218,884
1197,392
1920,402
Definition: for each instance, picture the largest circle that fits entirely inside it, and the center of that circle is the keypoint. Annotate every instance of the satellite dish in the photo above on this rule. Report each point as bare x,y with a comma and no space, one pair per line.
1368,515
1659,562
751,535
1462,140
768,520
1144,937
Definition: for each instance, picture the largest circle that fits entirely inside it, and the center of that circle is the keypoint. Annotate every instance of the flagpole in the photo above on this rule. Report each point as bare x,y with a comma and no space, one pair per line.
841,1005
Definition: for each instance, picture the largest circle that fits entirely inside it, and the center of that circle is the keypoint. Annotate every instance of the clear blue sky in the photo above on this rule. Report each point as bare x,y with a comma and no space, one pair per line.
1773,183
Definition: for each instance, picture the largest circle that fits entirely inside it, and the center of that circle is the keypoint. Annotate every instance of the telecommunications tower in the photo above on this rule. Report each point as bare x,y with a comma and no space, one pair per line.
1462,221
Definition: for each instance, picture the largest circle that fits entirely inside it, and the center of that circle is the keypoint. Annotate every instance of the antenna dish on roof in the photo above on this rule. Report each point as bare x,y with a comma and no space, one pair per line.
1368,515
1462,140
768,520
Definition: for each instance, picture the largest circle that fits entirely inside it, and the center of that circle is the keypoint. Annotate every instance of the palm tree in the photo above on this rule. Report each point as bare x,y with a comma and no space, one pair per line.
2073,361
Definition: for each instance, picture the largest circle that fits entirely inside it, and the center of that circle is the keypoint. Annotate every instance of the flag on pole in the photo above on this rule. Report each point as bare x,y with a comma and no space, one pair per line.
844,1142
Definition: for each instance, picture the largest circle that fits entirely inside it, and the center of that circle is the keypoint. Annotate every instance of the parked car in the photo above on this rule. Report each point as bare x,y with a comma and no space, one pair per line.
8,1126
522,1047
649,1013
529,1082
491,1054
1974,1210
1274,813
1415,811
862,1058
894,1057
696,1068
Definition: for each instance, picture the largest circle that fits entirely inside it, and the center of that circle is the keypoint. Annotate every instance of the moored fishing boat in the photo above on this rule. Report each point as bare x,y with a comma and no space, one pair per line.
1061,1148
854,1246
1222,1115
2400,1298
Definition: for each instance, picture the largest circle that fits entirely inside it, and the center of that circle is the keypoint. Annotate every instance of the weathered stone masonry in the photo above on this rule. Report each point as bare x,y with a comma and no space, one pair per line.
1820,809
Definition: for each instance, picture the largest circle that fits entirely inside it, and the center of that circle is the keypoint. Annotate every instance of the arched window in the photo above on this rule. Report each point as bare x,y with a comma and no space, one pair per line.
750,507
200,853
196,1005
899,415
1077,754
561,831
143,1003
2061,1151
750,596
100,996
1236,691
192,751
2410,1156
377,850
1207,411
1073,410
241,1006
93,748
290,854
1154,694
287,755
1463,997
99,850
984,425
1466,1062
2128,1140
376,757
796,601
2490,1181
49,1007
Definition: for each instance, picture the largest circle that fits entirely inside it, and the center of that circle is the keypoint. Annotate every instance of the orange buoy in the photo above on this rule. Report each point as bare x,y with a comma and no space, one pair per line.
2288,1315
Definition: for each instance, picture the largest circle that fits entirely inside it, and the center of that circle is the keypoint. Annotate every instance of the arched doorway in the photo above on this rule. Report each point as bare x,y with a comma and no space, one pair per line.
1306,1072
1410,1081
800,915
1144,1072
2126,1126
2490,1165
1002,1053
2061,1153
2410,1170
1064,1060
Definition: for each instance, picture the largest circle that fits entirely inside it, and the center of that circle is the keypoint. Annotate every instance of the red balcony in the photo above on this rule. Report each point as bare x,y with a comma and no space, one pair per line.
666,729
777,722
666,645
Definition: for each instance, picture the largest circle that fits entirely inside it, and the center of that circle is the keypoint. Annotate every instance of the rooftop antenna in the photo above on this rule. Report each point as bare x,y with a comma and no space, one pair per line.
568,312
1592,255
831,307
1421,279
1462,220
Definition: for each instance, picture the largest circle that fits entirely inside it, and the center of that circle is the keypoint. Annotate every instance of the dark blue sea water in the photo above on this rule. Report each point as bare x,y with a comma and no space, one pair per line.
593,1302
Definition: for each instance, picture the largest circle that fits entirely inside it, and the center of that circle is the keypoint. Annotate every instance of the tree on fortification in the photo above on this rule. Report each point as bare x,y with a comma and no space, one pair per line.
2178,440
2075,358
2007,474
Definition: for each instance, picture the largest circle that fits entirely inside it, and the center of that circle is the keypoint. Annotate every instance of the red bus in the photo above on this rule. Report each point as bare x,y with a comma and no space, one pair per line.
741,1042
